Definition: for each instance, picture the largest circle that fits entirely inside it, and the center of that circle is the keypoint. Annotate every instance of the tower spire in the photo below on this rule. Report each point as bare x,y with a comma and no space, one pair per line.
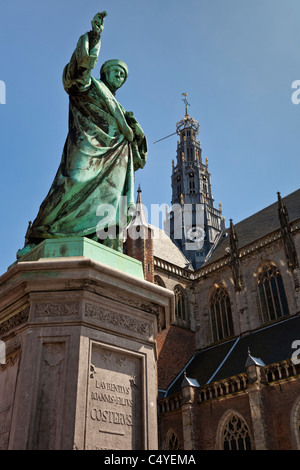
191,192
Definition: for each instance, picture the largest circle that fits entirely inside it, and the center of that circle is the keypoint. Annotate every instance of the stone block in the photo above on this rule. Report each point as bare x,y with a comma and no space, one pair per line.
80,370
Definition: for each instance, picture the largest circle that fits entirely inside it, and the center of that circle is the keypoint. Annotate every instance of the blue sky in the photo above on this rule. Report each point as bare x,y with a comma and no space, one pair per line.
236,59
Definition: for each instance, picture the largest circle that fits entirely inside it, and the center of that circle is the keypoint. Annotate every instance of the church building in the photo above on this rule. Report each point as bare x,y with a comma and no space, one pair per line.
228,362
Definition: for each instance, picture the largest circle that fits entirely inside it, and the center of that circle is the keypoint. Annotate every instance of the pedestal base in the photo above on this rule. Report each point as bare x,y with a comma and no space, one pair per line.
82,246
80,368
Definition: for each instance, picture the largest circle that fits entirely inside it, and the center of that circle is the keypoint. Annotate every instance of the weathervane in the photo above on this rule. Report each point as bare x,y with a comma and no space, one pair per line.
185,102
186,113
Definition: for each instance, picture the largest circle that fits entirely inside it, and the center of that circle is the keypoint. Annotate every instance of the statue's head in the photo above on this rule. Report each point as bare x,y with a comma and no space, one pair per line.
114,73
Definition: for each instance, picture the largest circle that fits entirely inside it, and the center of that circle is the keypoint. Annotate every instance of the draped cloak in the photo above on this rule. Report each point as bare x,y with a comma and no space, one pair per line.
98,162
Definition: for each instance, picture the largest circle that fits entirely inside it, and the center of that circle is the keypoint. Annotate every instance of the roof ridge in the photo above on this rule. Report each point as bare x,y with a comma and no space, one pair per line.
224,360
252,332
265,208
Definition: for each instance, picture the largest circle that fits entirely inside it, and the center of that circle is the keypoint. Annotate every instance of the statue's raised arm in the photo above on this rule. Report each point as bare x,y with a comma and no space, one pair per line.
77,73
105,145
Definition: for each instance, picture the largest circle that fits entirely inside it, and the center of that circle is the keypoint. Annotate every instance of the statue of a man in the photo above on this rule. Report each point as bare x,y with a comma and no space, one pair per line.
94,185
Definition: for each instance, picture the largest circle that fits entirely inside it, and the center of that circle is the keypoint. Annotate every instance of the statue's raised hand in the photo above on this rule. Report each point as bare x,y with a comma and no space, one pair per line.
98,22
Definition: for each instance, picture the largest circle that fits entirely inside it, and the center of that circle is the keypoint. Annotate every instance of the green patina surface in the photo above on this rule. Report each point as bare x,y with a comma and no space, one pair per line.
80,246
94,185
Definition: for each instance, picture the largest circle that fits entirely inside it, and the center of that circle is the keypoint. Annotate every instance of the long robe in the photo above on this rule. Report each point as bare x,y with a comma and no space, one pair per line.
98,161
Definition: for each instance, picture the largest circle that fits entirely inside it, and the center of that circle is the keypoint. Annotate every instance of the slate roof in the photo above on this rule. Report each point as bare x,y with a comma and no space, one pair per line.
258,225
271,344
165,249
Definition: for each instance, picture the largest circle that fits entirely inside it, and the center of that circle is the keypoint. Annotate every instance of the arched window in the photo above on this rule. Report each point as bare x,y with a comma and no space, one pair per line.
220,314
180,309
235,434
158,280
295,424
171,441
272,298
191,183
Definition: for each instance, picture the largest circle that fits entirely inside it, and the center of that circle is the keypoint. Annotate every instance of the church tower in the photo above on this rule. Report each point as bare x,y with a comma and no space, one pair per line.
194,223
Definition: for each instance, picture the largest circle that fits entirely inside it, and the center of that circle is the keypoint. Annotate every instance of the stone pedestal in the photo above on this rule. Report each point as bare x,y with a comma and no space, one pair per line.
80,369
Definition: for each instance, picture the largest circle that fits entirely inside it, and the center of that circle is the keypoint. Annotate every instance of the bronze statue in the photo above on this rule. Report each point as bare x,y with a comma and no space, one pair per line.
104,147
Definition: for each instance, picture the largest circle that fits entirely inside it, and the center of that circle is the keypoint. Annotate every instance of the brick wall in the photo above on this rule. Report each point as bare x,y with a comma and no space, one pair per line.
171,421
141,249
175,348
208,416
279,400
281,422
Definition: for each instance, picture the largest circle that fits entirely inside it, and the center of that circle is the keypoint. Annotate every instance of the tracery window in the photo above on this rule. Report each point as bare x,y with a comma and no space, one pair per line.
236,434
271,293
180,309
220,314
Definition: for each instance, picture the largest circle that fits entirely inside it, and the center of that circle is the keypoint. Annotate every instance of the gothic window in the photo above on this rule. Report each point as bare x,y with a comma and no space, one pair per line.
190,154
271,293
180,310
235,435
295,424
191,183
171,441
158,280
220,314
178,185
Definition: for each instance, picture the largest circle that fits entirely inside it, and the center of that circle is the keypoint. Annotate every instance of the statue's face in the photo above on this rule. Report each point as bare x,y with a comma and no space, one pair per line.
115,77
